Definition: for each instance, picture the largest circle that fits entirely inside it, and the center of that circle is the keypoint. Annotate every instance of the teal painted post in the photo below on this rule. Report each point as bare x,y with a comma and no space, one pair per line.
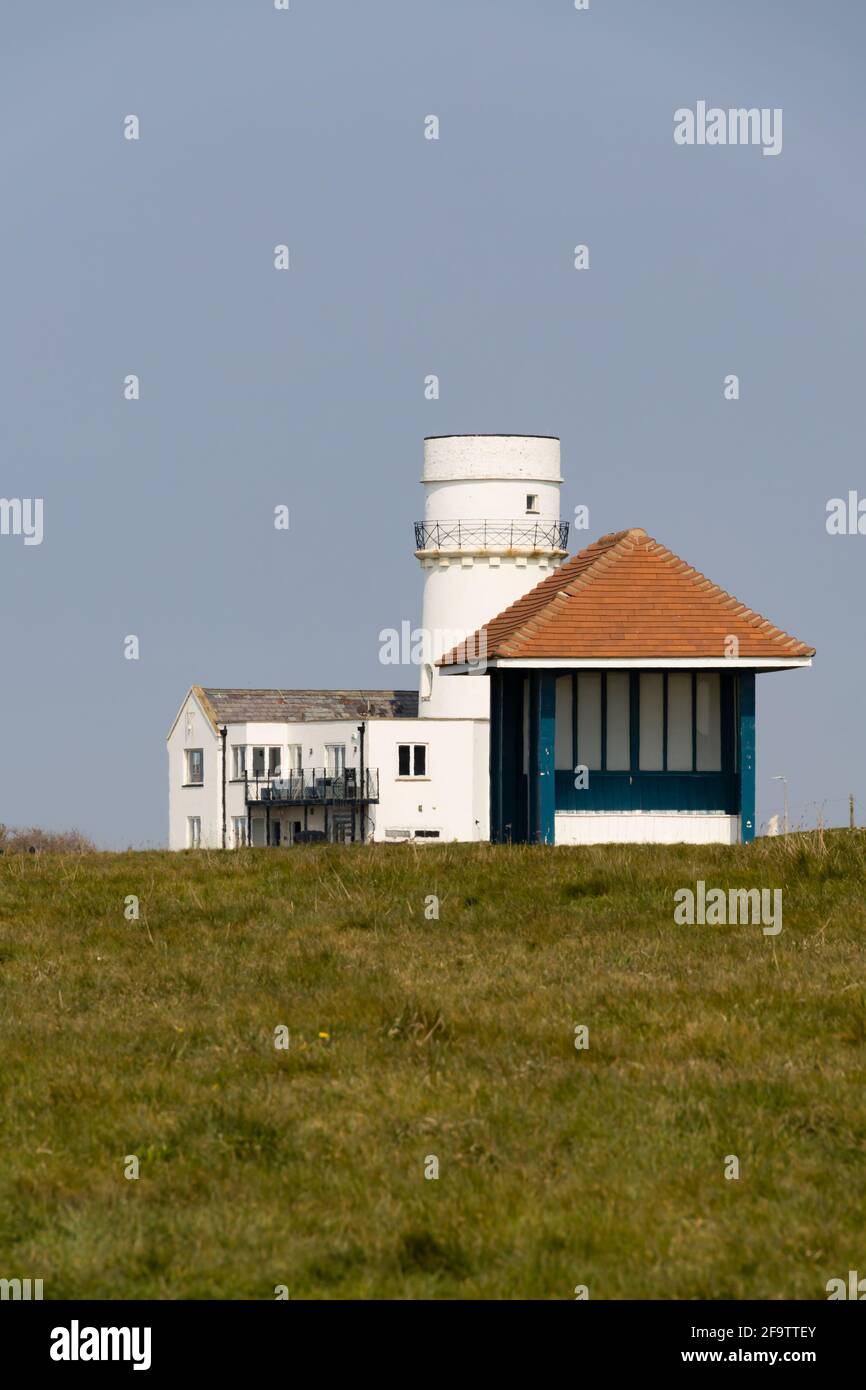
513,823
747,757
533,798
546,745
495,757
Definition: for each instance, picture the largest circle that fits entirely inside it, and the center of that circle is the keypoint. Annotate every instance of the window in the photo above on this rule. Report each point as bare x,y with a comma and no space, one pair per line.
708,721
296,757
193,832
411,759
618,738
680,721
562,751
239,831
532,502
675,718
652,719
193,767
275,762
589,720
258,762
427,834
239,761
335,758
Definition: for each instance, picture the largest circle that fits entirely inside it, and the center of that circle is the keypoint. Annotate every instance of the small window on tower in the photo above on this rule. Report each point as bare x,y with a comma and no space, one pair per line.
531,502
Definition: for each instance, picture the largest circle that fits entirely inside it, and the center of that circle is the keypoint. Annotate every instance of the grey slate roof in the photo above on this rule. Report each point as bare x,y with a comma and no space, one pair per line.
301,706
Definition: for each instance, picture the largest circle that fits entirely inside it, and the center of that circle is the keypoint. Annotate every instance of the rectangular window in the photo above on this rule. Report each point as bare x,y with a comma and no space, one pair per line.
275,762
239,761
239,831
193,832
680,722
708,722
296,757
651,722
562,752
193,767
411,760
678,717
532,502
258,762
589,720
335,757
618,735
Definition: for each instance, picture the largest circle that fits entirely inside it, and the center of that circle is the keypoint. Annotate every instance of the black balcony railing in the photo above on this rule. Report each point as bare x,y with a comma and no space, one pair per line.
315,786
491,535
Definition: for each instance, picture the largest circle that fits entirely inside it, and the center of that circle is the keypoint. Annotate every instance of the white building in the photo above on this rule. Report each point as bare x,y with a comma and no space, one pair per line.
277,766
621,683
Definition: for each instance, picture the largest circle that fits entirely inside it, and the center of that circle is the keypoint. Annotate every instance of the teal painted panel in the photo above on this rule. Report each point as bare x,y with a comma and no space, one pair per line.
747,756
650,791
546,757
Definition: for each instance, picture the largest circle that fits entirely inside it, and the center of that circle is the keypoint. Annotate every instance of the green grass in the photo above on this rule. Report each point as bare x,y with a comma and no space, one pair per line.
453,1038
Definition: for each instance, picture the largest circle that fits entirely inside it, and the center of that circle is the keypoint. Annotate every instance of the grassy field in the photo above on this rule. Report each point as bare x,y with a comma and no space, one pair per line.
412,1037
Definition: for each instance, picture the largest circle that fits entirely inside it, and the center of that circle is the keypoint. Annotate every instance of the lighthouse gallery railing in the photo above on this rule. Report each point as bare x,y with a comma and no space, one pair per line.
491,535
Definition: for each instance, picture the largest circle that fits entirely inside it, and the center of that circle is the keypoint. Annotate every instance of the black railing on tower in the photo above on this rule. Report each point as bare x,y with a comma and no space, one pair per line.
520,534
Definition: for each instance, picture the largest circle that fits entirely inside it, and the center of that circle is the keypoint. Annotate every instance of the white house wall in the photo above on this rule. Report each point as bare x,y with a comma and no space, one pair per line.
453,798
449,799
193,729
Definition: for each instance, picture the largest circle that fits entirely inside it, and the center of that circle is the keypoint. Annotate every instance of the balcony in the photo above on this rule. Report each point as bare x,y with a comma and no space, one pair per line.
499,536
313,786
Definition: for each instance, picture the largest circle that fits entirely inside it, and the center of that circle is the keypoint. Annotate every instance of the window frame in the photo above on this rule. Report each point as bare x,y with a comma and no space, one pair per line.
335,771
413,776
189,781
193,837
726,712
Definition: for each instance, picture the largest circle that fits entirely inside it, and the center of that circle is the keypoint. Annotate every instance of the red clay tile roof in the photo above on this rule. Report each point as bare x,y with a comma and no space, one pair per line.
627,596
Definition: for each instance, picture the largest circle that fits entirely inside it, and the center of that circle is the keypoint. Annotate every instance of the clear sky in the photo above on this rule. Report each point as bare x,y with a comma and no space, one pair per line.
409,257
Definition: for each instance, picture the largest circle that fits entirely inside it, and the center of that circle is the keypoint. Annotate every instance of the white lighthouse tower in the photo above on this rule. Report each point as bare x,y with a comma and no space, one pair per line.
491,532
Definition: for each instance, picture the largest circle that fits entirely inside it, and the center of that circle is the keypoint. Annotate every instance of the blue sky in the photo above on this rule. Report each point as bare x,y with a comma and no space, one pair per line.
409,257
